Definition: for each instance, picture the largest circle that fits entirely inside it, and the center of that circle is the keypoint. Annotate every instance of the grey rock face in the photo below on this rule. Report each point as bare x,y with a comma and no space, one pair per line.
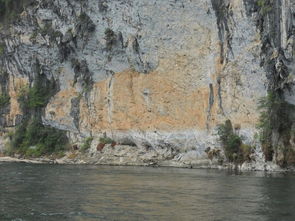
159,74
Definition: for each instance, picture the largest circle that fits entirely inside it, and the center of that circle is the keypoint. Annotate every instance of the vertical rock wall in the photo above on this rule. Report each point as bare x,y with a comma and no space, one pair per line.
157,74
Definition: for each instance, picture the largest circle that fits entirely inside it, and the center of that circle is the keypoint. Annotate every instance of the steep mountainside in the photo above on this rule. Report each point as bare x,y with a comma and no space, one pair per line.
170,82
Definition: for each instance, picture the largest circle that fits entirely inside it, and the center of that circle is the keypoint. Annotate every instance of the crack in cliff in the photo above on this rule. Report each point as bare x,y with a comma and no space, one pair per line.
75,111
210,104
110,98
224,16
225,24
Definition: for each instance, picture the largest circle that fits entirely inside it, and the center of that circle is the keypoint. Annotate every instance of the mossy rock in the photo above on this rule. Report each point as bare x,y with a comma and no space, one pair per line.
4,100
86,144
2,48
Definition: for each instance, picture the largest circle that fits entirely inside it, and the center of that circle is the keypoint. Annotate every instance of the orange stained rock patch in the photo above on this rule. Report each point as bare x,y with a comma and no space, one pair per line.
152,101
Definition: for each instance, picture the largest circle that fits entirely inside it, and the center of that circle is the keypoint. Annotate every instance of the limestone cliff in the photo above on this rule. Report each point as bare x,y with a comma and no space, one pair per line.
156,77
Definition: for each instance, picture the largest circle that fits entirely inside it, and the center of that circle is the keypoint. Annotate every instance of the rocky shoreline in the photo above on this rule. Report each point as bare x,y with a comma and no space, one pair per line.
131,156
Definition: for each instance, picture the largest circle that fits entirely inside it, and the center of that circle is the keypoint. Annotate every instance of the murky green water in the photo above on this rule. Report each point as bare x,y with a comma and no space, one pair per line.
58,192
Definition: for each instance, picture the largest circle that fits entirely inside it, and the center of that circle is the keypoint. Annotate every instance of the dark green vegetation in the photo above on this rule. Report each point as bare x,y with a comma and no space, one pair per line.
4,94
86,144
84,27
31,137
46,30
35,98
265,6
276,119
106,140
2,48
9,9
4,100
234,149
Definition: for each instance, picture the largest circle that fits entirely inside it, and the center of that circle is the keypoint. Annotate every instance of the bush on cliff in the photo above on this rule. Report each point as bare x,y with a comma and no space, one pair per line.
9,9
35,97
234,149
106,140
86,144
4,100
32,138
2,48
275,124
265,6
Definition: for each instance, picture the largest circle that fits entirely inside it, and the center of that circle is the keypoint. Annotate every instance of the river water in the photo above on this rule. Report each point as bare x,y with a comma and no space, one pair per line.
79,192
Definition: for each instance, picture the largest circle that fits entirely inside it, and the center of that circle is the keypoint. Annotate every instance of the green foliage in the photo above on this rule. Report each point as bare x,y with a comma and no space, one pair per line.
32,138
86,144
276,116
22,97
4,100
105,140
83,17
84,27
34,36
35,151
48,30
234,149
36,96
267,105
9,9
265,6
246,151
9,151
2,48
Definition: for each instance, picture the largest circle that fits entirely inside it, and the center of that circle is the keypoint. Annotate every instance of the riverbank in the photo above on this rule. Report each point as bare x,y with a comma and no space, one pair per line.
17,160
133,156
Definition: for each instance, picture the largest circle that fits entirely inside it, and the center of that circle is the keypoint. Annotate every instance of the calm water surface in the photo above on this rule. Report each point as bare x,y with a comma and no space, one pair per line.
58,192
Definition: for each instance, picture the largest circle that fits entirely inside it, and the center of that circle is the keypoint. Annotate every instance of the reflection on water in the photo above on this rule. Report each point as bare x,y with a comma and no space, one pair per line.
58,192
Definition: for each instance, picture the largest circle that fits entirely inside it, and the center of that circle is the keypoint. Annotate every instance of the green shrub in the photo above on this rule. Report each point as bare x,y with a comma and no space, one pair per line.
34,35
234,149
105,140
22,97
9,9
31,137
32,133
37,96
4,100
2,48
267,105
276,117
246,151
47,30
265,6
86,144
34,152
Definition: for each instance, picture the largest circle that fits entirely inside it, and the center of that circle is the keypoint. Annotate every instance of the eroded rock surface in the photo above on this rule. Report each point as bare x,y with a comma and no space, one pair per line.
157,74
